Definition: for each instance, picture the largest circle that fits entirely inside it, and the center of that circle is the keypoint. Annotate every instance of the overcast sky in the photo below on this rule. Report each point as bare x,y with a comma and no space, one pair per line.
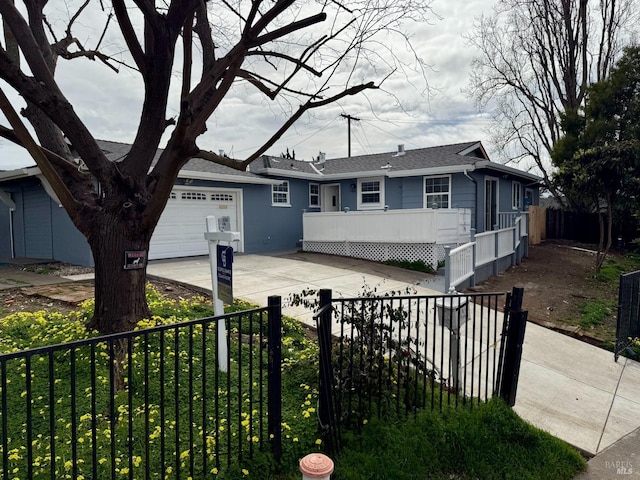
447,115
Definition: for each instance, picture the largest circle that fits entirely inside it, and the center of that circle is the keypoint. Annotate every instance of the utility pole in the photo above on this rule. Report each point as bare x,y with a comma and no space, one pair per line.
349,118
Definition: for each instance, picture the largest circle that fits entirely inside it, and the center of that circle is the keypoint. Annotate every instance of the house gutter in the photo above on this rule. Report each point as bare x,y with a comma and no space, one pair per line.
221,177
6,199
475,186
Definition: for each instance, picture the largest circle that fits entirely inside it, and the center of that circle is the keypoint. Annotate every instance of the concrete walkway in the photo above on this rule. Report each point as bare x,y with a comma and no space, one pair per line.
572,389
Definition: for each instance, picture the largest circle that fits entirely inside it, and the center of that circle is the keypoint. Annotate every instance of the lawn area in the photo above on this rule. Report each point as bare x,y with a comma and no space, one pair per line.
490,441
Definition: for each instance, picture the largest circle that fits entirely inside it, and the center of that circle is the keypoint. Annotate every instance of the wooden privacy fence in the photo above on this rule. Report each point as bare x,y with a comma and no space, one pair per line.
537,225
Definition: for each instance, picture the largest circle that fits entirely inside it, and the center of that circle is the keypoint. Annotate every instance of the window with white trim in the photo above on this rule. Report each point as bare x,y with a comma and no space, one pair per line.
314,195
516,195
280,194
370,193
437,191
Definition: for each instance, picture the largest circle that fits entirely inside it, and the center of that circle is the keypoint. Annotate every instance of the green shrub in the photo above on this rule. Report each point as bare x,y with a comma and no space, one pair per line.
417,265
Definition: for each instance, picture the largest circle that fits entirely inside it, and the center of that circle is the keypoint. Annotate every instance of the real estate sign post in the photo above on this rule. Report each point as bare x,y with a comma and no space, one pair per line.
213,236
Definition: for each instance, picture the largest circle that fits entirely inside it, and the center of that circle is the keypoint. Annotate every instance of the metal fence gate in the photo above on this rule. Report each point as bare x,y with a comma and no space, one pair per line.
628,325
391,356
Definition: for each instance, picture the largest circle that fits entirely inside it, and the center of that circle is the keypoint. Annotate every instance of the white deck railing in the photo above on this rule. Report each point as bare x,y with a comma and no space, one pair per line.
462,262
424,225
485,248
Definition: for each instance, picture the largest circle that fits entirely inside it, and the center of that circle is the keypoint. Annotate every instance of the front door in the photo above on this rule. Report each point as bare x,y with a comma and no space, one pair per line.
330,198
490,203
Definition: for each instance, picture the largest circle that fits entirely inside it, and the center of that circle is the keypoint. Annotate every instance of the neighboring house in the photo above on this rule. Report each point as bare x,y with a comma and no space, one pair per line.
267,202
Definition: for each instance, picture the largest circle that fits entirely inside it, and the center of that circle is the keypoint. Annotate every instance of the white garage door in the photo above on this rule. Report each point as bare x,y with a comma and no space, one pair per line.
180,230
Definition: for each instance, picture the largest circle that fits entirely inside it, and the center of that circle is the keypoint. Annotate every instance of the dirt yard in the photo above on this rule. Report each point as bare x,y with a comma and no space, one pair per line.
560,289
65,297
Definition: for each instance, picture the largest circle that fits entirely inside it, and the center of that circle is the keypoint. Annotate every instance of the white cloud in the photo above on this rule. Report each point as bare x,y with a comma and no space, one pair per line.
398,113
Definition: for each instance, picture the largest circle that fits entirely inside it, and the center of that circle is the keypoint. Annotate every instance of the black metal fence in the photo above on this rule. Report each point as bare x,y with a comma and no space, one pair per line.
394,355
628,324
146,404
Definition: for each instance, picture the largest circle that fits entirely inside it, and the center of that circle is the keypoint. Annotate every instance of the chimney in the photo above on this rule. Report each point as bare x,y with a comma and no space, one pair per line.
400,150
221,152
321,158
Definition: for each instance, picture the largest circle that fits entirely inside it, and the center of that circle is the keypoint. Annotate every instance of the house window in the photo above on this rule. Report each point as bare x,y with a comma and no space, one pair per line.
193,196
314,195
370,193
437,191
280,194
516,195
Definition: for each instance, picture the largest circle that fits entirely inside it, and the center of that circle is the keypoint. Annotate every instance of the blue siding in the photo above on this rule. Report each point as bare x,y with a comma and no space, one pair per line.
393,197
273,228
69,245
37,223
18,224
5,231
412,194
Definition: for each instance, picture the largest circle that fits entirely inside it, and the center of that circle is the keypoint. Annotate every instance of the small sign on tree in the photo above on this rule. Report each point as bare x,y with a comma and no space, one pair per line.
134,259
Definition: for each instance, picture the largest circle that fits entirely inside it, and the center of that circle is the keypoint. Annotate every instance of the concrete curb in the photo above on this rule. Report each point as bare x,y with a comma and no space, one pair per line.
618,461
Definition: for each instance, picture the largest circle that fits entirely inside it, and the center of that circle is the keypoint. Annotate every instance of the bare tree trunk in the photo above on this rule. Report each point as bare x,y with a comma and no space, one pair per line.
603,249
120,293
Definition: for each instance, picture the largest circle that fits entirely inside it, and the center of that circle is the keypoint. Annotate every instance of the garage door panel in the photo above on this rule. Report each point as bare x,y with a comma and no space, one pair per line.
180,230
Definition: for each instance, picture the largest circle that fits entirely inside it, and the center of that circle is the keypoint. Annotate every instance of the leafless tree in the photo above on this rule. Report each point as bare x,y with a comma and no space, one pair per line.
536,59
307,53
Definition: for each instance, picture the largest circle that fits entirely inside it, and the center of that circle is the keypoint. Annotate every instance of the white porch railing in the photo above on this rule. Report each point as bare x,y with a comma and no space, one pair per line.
400,226
461,264
484,249
411,234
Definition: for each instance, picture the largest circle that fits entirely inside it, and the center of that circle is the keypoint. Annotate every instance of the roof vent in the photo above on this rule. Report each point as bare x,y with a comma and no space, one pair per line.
322,156
400,151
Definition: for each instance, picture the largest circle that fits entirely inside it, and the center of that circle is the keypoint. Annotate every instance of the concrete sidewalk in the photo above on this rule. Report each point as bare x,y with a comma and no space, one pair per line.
572,389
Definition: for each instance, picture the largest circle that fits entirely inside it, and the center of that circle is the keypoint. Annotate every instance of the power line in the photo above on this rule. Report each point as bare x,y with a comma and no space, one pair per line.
392,135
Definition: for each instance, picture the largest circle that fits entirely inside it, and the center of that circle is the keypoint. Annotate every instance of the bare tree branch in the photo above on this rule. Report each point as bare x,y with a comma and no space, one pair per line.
21,132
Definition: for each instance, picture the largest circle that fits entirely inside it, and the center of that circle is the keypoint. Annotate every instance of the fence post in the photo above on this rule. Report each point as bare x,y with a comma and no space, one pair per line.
515,326
496,253
514,247
472,280
447,268
325,387
274,370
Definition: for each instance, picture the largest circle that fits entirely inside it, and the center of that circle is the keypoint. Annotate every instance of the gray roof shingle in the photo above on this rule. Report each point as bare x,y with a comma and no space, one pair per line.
116,151
420,158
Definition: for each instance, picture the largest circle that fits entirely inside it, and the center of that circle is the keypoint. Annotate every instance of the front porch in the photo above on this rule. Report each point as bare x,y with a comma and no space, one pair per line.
379,235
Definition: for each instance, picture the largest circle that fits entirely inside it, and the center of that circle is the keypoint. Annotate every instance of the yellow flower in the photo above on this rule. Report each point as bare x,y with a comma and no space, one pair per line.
245,472
318,441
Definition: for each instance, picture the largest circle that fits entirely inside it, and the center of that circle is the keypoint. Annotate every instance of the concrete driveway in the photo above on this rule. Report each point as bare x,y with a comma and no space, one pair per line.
256,277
